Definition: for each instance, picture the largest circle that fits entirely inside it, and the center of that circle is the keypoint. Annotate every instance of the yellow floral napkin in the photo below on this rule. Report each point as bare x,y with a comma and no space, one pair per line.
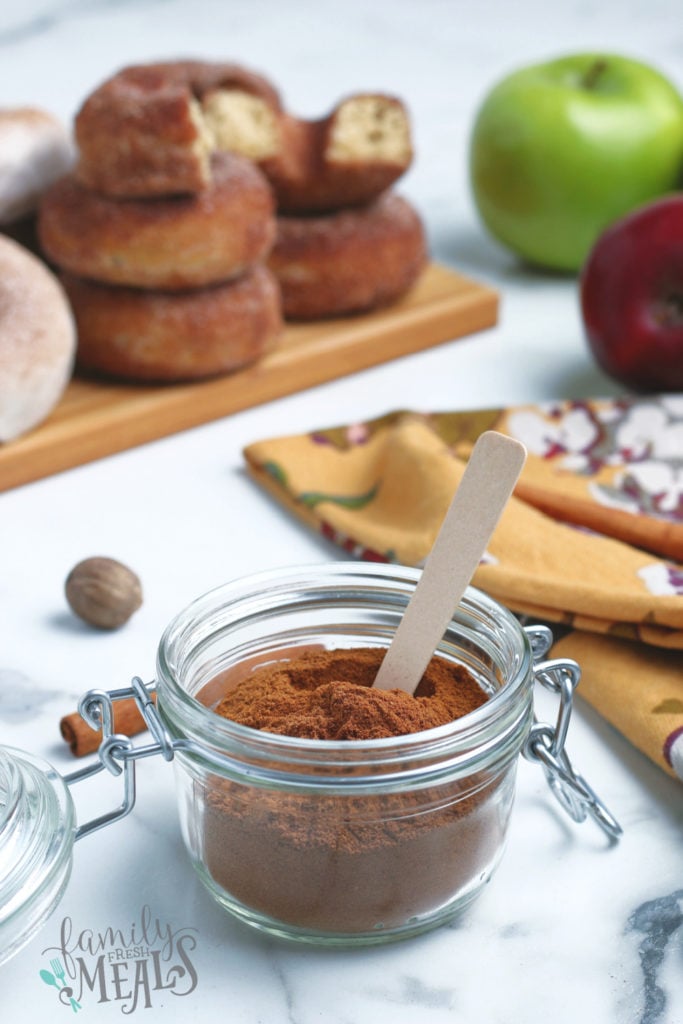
380,490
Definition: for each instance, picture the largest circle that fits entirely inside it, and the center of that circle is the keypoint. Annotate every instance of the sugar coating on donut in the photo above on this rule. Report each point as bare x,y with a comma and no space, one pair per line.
161,336
35,150
369,128
150,131
348,262
142,133
132,147
240,122
172,242
37,340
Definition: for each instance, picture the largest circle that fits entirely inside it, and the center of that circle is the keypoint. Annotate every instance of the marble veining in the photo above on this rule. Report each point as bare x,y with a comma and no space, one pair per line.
660,922
284,981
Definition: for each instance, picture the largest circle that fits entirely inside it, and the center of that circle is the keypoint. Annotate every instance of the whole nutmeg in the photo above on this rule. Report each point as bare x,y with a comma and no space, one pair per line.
103,592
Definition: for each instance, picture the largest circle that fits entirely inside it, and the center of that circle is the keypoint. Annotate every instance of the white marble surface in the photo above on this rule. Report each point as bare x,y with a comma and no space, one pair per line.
571,927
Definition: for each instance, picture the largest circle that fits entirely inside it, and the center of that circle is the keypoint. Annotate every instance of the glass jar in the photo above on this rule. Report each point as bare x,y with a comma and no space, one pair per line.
37,831
344,843
336,841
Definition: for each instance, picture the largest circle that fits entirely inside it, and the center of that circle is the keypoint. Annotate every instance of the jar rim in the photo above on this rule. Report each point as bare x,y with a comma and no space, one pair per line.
203,724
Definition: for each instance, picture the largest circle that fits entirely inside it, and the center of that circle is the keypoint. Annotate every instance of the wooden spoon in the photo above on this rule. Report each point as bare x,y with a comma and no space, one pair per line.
486,485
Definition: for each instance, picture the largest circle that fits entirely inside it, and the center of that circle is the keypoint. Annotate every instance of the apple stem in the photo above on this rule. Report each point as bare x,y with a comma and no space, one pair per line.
593,73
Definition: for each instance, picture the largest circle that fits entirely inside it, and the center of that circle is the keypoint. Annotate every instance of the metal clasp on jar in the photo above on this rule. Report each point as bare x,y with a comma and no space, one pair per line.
545,743
116,752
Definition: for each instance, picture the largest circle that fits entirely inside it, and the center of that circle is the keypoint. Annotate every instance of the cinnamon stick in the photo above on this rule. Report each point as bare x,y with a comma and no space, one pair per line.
84,740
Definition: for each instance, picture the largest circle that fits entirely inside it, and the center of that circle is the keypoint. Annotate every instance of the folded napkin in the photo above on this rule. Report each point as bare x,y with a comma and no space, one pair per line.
612,471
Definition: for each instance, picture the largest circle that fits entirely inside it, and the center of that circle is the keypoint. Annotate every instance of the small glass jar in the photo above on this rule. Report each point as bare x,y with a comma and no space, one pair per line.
332,842
344,842
37,826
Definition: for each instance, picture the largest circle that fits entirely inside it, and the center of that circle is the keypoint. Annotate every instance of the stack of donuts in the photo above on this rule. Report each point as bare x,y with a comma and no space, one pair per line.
166,231
345,242
164,268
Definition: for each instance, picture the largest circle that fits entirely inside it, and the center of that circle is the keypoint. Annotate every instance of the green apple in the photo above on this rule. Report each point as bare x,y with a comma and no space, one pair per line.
562,149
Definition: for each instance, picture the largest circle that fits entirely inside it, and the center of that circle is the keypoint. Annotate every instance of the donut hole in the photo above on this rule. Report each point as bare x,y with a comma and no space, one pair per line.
369,128
242,123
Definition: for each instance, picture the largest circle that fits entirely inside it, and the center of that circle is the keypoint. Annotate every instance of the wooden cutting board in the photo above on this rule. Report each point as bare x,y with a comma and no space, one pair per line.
97,418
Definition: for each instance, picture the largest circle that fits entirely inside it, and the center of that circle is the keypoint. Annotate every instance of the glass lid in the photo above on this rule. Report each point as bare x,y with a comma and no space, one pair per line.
37,829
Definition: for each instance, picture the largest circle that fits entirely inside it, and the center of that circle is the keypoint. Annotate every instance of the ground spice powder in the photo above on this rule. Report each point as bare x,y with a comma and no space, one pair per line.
328,695
339,864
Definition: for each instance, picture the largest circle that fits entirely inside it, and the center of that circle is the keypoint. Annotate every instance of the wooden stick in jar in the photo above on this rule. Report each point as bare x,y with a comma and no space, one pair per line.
484,490
84,740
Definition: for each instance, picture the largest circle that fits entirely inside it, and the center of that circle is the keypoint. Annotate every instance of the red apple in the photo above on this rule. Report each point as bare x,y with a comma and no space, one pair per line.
632,297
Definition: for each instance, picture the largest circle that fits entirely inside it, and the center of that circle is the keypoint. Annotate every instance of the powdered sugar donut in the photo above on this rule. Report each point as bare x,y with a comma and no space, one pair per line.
35,150
37,340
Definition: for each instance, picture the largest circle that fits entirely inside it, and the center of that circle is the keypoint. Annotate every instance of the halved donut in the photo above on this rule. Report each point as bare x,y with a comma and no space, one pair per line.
150,130
142,132
347,158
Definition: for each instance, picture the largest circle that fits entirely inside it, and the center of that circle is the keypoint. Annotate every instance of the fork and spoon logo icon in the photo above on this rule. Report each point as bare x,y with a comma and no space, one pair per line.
57,978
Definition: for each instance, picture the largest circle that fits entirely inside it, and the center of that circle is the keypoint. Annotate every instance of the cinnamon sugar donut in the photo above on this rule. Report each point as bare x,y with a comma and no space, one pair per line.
150,129
142,133
37,340
161,336
173,243
345,159
348,262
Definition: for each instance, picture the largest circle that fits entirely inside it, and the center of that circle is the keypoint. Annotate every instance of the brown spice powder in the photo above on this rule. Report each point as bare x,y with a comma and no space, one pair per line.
328,695
351,864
